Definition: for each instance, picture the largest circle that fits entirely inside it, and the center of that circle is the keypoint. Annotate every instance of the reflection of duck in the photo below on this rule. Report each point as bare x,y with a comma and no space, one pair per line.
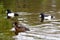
20,28
21,36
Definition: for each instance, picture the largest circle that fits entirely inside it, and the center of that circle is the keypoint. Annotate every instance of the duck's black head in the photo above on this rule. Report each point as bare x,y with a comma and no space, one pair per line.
8,11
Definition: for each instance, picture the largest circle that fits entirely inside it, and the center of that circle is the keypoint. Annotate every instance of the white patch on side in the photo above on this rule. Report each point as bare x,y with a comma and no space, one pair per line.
11,14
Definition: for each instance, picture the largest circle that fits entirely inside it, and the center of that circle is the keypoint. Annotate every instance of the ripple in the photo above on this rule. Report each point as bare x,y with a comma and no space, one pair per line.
49,31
